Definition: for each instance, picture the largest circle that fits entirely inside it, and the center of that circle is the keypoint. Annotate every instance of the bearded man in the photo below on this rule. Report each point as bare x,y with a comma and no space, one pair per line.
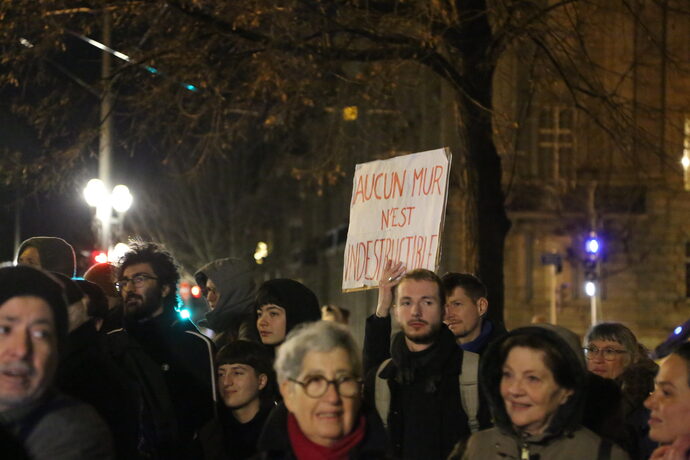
425,415
147,281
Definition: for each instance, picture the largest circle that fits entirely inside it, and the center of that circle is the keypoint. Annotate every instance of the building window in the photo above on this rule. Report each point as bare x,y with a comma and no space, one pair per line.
555,144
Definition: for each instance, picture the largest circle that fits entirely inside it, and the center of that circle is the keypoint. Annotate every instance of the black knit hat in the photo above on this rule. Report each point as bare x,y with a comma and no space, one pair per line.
299,302
28,281
56,254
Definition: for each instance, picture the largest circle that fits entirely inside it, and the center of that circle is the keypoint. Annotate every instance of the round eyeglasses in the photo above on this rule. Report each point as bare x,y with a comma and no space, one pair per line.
316,386
609,354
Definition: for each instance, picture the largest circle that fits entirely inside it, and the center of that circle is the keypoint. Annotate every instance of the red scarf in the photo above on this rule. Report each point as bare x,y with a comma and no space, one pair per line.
308,450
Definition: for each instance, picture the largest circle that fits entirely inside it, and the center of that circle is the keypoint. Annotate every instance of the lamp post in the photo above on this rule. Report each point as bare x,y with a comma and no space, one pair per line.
119,200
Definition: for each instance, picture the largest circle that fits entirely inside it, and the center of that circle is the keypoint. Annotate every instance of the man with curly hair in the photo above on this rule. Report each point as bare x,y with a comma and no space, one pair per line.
147,280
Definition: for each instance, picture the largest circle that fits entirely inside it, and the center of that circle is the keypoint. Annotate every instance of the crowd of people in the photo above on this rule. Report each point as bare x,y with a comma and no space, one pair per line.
103,367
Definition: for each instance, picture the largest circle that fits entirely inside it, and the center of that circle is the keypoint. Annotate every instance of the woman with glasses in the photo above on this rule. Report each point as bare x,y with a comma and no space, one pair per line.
319,370
613,352
669,404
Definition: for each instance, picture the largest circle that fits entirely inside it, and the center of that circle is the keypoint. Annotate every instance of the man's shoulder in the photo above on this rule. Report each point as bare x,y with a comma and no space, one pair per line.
65,426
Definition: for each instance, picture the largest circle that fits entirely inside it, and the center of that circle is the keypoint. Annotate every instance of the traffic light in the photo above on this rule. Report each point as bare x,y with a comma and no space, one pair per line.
196,291
591,263
592,245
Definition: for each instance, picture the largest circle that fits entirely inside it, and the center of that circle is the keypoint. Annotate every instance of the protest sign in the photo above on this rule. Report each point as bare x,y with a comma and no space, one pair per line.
397,212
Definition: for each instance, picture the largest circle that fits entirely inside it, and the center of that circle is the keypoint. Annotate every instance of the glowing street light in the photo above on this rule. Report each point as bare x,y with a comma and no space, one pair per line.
120,200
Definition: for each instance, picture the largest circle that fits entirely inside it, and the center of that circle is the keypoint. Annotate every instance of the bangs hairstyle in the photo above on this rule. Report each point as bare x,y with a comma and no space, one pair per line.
248,353
555,358
322,337
616,332
266,296
421,274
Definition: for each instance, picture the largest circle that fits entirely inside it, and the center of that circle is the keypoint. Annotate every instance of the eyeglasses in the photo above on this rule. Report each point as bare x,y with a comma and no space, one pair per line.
139,279
609,354
316,386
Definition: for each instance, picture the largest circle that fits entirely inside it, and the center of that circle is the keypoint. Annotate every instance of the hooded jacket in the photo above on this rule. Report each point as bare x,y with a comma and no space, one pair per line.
564,438
234,280
56,254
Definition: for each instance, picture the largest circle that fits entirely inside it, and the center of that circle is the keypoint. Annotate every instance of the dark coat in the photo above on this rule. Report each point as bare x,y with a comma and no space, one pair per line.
426,418
58,427
87,372
224,438
274,443
185,358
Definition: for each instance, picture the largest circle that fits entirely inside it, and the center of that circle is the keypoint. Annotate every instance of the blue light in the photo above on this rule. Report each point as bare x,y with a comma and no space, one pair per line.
191,87
592,245
678,330
153,70
185,313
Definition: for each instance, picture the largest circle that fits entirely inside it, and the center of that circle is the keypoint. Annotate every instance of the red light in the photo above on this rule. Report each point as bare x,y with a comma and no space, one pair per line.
184,290
99,256
196,292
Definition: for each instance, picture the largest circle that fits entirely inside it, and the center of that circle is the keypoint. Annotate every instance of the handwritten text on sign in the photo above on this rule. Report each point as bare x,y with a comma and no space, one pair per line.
396,213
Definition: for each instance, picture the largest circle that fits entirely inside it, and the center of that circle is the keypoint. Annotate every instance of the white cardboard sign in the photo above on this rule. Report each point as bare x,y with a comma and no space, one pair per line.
397,212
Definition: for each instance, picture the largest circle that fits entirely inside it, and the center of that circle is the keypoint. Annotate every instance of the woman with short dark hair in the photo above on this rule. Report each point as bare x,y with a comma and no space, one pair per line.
535,386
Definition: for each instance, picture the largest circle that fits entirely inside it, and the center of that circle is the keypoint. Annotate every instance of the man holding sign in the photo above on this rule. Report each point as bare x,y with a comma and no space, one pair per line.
426,393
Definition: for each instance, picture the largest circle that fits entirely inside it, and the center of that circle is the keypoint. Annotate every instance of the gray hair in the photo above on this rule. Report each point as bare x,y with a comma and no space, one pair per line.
617,332
320,336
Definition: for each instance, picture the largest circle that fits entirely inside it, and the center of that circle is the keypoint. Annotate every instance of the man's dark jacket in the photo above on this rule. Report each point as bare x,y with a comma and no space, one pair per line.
185,358
425,418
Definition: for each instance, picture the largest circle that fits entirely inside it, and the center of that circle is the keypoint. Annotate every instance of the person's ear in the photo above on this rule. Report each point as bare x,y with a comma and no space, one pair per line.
165,290
482,306
567,393
263,381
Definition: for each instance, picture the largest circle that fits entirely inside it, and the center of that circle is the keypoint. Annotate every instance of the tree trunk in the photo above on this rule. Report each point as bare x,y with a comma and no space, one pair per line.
475,105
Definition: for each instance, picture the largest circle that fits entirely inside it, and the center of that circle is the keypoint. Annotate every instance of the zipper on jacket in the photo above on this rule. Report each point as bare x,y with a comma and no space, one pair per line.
524,447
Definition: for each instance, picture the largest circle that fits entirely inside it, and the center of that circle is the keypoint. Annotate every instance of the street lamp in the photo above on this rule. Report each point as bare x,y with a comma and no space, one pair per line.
120,200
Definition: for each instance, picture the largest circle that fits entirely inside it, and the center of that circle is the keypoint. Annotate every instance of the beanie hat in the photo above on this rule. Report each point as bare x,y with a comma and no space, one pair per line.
56,254
103,275
28,281
234,280
299,302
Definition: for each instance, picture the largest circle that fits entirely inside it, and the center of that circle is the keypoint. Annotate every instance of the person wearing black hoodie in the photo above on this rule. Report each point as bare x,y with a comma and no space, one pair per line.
535,385
229,288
